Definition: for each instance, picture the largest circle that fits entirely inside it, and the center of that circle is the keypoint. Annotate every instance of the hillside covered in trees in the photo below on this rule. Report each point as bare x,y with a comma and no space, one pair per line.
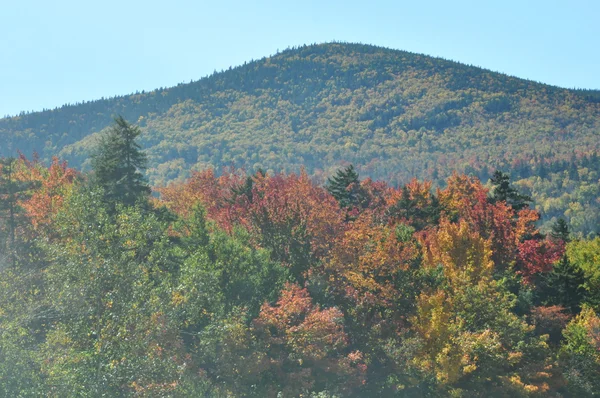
261,284
394,115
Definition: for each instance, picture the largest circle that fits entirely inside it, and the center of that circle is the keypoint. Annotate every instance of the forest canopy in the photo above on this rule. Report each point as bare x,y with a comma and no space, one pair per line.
268,284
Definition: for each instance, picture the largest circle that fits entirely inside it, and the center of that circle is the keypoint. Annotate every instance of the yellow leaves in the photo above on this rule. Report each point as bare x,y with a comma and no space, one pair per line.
129,244
515,357
465,256
516,387
178,299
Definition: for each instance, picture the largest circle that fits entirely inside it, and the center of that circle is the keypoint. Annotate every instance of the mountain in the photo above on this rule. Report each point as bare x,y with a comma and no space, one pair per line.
391,113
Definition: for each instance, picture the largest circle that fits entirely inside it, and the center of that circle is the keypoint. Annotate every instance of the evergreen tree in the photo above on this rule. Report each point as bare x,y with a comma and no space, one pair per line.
12,191
504,192
345,188
418,213
246,188
564,285
406,207
118,162
560,230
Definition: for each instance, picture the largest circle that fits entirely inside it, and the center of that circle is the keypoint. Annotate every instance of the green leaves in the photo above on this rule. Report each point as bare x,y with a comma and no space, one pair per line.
345,187
117,164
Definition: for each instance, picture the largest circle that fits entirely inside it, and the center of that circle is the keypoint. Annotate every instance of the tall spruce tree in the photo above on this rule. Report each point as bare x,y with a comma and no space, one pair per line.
118,163
345,187
504,192
563,285
560,230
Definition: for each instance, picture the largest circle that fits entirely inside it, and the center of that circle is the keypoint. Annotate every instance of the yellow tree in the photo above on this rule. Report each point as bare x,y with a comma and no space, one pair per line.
469,333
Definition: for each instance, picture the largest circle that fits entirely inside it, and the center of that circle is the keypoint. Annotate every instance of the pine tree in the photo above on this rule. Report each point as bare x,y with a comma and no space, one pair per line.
12,191
504,192
564,284
345,188
118,162
560,230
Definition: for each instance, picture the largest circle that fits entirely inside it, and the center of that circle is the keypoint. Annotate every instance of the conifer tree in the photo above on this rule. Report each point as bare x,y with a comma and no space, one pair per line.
564,284
345,188
504,192
118,163
560,230
12,191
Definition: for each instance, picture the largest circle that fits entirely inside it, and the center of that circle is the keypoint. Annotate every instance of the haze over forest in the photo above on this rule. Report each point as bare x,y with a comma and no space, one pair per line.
336,220
393,115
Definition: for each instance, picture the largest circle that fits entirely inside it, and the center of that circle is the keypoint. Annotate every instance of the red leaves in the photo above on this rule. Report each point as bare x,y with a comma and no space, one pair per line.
216,194
306,341
303,327
295,209
536,256
285,212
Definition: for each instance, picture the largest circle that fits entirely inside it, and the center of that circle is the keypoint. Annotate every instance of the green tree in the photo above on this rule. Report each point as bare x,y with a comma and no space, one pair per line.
560,230
579,357
12,192
345,187
118,162
419,211
503,191
564,284
109,282
585,255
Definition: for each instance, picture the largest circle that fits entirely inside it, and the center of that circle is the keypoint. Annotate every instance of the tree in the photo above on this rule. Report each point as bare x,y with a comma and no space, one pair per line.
579,354
564,284
469,332
346,189
560,230
109,282
12,192
585,256
416,205
503,191
118,162
307,346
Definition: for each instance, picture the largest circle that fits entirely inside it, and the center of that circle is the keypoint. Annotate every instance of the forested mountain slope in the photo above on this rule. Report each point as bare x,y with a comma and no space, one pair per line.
393,114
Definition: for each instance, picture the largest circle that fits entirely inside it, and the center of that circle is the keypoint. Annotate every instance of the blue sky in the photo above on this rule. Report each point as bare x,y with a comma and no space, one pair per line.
64,51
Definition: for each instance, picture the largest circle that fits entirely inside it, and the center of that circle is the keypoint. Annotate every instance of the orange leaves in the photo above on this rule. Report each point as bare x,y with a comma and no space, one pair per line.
55,183
214,193
293,304
365,260
466,199
46,188
297,323
461,193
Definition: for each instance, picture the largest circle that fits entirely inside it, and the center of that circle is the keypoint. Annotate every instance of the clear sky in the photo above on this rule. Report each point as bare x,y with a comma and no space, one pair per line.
66,51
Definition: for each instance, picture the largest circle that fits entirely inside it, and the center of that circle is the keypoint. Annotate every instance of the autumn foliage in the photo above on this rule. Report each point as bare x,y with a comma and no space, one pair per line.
237,284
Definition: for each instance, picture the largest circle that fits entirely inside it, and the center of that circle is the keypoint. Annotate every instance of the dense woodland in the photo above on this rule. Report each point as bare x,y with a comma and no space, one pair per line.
266,284
394,115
